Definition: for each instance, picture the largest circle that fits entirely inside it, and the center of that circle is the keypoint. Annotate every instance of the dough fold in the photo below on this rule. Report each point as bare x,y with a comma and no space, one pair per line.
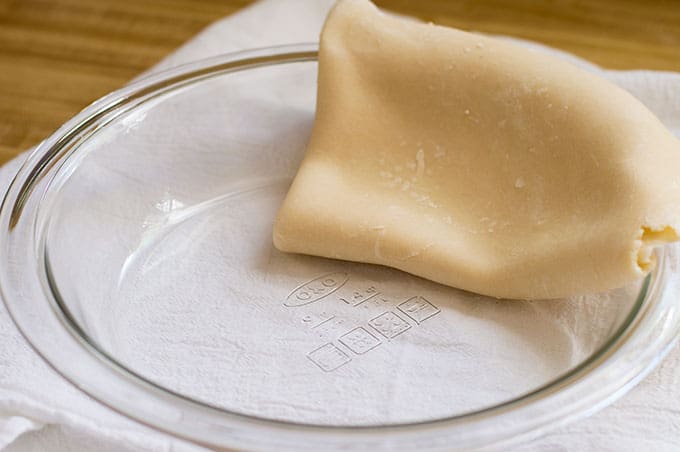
478,164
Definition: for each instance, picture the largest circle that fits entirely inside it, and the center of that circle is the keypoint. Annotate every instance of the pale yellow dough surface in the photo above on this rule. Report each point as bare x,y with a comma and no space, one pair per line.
477,163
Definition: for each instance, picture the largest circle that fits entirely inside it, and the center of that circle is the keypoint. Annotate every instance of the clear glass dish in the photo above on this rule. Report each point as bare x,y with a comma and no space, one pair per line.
137,260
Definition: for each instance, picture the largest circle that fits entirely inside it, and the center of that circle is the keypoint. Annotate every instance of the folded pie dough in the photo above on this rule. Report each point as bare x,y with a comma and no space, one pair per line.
477,163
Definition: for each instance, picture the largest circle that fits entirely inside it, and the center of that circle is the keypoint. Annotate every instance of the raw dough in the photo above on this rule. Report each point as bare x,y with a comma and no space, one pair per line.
478,164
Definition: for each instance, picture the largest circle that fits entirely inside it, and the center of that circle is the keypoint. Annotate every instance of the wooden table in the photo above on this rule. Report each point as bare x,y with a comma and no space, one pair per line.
56,56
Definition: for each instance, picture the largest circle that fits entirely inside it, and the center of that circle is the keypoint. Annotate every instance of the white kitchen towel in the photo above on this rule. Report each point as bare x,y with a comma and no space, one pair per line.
40,411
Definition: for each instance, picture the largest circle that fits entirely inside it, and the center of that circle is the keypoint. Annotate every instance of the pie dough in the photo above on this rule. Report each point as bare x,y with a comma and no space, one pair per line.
477,163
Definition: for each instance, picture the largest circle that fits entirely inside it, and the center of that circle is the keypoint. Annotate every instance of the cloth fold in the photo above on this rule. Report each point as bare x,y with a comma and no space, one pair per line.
39,410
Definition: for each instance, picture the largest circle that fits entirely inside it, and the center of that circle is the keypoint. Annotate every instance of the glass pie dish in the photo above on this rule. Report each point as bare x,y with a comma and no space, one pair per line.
137,260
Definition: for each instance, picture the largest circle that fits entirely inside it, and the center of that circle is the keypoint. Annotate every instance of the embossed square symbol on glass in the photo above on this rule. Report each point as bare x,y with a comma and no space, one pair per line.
389,324
359,340
418,308
328,357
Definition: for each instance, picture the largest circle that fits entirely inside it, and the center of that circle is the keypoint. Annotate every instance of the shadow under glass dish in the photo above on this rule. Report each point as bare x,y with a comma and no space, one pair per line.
153,233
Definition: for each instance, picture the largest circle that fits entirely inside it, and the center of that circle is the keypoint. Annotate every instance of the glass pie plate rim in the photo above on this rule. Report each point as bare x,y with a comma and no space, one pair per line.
647,334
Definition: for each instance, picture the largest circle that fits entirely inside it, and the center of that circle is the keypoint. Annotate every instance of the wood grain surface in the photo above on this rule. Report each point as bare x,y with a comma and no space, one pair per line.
57,56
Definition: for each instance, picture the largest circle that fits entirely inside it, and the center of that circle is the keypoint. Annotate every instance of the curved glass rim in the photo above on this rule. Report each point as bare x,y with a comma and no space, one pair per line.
43,166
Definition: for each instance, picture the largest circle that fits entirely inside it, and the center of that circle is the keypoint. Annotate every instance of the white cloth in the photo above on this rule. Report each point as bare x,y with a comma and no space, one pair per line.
41,411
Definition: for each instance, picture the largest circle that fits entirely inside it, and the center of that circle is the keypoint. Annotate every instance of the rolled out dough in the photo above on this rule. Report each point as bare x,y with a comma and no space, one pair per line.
477,163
